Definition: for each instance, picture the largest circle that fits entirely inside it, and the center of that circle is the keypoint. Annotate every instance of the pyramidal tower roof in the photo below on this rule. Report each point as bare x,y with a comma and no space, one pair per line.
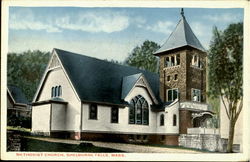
180,37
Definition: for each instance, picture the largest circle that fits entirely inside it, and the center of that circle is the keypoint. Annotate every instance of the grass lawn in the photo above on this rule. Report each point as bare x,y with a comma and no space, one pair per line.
39,145
18,129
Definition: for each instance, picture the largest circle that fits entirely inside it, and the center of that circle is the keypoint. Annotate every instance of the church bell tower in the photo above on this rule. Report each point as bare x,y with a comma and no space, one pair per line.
182,65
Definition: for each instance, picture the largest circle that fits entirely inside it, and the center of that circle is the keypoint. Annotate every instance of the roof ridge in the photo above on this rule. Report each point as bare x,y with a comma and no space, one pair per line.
193,35
185,32
104,79
106,61
168,37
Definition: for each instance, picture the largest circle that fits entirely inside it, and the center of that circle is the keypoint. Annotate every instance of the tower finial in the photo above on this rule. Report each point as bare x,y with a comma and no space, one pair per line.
182,12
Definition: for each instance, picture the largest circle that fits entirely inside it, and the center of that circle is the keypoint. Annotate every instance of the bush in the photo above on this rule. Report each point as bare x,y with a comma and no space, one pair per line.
12,120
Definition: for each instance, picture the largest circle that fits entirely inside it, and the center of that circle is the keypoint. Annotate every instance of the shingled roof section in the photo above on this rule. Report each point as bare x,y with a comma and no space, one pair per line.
128,83
98,80
180,37
17,94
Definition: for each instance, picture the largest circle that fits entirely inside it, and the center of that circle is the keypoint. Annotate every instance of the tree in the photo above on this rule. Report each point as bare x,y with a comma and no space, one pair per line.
25,70
142,56
225,72
114,61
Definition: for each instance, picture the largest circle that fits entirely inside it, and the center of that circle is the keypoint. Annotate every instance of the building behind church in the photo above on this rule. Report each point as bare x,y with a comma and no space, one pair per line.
18,108
85,98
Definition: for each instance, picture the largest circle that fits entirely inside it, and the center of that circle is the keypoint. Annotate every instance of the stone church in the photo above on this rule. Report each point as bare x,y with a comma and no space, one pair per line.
85,98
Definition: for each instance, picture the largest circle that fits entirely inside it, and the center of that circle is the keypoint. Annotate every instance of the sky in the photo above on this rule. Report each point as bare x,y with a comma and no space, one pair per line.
108,33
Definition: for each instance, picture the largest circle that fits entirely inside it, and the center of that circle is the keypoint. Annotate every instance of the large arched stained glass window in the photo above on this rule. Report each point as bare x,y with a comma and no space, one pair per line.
139,111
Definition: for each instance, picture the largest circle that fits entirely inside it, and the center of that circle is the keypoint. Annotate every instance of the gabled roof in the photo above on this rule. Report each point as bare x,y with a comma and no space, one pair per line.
180,37
100,81
128,83
17,95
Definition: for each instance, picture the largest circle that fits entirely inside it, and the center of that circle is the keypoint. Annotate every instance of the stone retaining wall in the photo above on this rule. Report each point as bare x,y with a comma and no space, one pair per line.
210,142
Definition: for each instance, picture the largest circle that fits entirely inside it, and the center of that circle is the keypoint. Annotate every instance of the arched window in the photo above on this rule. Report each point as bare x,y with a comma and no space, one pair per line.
174,120
52,92
132,112
59,91
162,120
138,111
145,114
56,91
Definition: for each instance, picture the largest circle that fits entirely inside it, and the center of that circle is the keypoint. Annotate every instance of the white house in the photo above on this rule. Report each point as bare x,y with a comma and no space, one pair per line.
17,104
81,97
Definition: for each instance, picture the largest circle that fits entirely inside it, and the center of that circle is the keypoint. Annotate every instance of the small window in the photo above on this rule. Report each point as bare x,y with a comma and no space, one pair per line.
175,76
196,61
17,114
138,137
145,137
56,91
163,138
114,114
172,61
178,59
52,92
162,120
131,137
196,95
172,94
93,111
167,62
168,78
174,120
59,91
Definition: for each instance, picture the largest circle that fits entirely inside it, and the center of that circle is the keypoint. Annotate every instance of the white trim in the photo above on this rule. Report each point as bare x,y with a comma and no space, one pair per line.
68,79
43,78
15,103
147,86
48,70
11,95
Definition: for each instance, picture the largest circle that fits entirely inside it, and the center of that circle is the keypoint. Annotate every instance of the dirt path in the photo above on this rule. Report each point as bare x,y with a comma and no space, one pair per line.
131,148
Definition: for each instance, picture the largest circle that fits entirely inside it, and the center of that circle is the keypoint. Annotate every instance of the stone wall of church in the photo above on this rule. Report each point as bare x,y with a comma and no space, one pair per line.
196,76
200,141
208,142
180,70
185,121
188,76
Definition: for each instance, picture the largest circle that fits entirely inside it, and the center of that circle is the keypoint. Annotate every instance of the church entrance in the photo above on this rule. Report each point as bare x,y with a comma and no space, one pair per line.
201,119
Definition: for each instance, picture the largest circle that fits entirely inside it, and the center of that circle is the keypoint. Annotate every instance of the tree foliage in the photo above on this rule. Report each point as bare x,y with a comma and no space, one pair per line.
142,56
25,70
225,72
114,61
